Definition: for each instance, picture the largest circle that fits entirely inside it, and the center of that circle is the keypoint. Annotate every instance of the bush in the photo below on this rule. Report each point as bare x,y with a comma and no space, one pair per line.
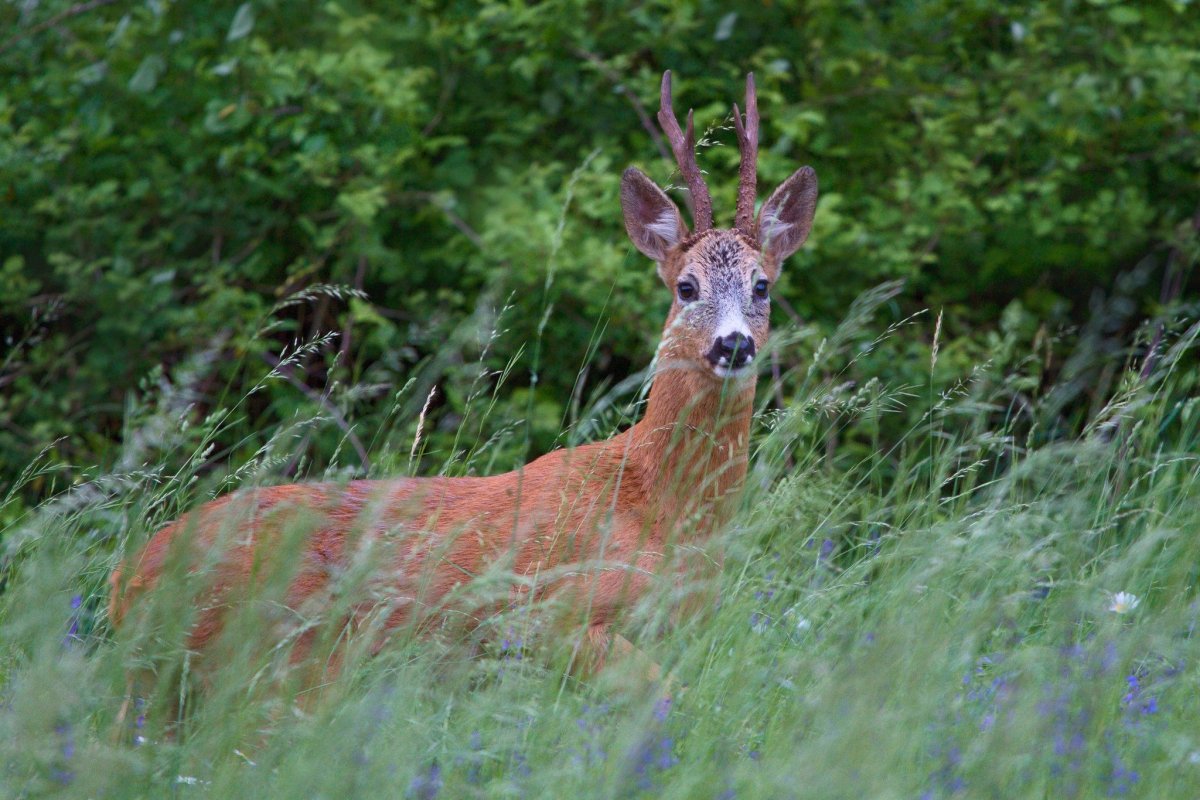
170,172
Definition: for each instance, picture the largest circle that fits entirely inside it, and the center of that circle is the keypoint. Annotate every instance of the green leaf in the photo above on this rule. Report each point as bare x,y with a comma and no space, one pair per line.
363,312
363,204
725,27
243,23
147,74
1125,15
92,73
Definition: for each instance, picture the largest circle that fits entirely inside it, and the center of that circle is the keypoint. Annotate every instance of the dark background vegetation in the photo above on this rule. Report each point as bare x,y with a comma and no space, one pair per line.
172,172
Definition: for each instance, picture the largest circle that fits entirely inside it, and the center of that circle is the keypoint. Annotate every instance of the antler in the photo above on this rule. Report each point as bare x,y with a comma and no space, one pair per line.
748,143
684,148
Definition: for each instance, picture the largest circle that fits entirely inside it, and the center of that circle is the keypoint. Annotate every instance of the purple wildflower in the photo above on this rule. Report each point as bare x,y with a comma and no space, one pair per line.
589,725
475,761
1134,688
1121,779
653,754
945,779
425,785
512,646
73,623
666,754
66,738
139,722
656,751
662,708
1134,698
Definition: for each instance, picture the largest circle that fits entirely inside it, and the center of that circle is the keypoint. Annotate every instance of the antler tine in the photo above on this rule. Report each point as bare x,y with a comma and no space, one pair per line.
684,148
748,143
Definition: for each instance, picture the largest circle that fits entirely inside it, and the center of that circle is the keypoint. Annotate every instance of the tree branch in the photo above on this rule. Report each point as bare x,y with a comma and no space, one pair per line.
73,11
622,89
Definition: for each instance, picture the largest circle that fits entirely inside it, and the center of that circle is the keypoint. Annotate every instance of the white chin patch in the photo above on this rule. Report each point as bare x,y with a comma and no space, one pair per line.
722,370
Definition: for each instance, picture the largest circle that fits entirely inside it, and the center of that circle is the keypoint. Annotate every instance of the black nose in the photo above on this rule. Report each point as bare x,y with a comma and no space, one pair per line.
732,351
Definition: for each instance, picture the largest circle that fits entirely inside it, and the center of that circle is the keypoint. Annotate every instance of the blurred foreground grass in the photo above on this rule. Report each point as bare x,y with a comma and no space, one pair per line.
938,619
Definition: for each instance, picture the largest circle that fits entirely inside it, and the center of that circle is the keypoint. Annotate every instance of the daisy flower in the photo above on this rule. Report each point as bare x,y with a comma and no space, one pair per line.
1124,602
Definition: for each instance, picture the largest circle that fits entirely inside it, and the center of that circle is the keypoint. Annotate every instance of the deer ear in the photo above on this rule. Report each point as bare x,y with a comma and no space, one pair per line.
786,217
652,220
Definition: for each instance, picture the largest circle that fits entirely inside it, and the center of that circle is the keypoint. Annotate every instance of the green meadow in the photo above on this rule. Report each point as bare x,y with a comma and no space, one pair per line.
980,609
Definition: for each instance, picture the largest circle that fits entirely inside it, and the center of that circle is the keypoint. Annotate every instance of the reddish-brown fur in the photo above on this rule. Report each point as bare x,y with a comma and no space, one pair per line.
620,502
594,526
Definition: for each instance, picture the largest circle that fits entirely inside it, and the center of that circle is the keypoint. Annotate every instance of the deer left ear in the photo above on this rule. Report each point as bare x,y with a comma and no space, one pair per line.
786,217
652,220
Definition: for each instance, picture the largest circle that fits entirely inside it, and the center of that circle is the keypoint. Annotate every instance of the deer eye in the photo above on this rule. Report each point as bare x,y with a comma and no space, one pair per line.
760,289
687,290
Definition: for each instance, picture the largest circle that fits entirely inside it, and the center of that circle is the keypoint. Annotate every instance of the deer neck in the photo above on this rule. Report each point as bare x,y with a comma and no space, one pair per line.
691,446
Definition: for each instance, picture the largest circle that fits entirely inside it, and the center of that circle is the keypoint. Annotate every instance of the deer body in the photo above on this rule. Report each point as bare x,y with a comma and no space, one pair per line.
593,526
616,505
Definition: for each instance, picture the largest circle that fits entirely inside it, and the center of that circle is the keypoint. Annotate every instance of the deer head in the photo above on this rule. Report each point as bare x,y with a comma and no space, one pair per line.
721,278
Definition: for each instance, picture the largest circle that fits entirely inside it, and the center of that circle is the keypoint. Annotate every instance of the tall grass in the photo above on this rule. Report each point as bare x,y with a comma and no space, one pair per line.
934,616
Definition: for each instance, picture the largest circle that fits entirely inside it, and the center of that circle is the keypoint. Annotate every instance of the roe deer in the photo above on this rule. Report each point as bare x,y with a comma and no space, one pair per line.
592,526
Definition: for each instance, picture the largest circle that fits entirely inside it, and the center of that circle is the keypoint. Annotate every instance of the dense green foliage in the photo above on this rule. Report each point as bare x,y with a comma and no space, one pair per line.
170,171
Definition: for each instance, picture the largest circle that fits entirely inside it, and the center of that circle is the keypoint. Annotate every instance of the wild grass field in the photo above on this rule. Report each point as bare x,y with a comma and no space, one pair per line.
986,607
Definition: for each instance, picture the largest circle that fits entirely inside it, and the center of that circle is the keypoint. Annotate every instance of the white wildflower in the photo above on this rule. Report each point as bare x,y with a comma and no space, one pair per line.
803,623
1124,602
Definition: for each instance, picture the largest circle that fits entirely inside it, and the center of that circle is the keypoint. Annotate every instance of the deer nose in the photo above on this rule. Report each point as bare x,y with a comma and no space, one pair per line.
732,351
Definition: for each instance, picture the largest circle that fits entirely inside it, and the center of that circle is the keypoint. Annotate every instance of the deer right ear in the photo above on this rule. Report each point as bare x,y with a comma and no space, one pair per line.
786,218
651,219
